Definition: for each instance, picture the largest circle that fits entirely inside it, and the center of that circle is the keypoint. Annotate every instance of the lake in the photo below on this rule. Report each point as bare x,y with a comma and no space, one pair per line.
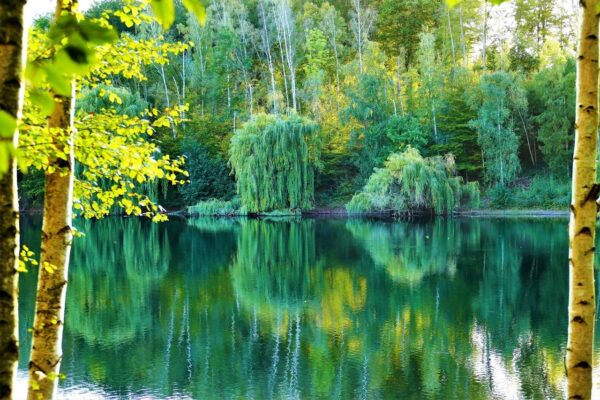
312,308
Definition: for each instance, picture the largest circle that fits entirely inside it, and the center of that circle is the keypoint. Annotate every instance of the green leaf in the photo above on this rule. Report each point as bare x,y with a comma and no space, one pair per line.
8,124
6,149
197,8
60,83
164,10
43,100
95,33
35,73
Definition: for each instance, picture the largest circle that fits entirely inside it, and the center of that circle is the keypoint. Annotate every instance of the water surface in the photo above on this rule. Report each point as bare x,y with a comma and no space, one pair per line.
208,308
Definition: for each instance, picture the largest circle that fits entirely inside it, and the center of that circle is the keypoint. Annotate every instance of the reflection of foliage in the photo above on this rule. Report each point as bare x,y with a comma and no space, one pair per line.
271,270
409,252
99,292
314,308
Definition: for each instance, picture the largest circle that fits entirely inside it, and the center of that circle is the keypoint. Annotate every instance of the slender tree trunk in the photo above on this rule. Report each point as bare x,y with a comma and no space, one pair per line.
161,70
399,83
289,49
12,44
359,35
434,113
484,47
529,146
582,225
283,63
462,37
57,235
267,50
451,37
183,85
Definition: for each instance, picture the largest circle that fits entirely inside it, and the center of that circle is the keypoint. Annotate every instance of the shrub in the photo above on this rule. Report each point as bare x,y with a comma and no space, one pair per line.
216,207
542,192
209,175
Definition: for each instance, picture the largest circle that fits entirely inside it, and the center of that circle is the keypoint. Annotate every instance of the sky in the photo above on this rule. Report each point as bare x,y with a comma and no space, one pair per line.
35,8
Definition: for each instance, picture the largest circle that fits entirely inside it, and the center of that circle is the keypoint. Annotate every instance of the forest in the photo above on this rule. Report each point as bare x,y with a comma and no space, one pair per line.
450,81
298,189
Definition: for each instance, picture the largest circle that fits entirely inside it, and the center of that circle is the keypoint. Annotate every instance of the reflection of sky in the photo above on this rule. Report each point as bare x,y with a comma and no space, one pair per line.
500,375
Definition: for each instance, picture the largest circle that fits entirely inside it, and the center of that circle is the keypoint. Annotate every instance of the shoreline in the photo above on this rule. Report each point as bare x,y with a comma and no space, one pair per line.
340,212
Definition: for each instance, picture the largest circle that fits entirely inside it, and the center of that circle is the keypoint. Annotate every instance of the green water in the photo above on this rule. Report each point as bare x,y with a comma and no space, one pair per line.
444,309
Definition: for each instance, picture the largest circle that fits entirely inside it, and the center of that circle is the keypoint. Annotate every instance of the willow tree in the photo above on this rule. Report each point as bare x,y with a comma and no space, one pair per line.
582,225
409,182
12,43
274,161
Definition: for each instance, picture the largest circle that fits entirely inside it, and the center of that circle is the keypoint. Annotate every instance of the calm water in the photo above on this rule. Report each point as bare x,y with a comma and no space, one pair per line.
313,309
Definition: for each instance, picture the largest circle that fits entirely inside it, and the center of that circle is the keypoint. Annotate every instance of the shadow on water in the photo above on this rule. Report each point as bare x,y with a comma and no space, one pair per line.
222,308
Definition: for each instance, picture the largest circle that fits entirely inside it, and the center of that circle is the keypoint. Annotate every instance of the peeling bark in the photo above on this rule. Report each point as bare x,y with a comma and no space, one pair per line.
12,58
582,226
57,235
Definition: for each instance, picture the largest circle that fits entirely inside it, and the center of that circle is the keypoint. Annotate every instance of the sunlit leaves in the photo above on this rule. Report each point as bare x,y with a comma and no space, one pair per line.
115,159
197,8
26,257
164,10
8,124
42,99
69,49
77,40
452,3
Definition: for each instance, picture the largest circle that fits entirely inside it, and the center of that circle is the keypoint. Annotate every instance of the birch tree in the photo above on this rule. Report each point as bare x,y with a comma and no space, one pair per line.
12,45
266,49
57,235
285,30
582,225
362,22
331,25
431,78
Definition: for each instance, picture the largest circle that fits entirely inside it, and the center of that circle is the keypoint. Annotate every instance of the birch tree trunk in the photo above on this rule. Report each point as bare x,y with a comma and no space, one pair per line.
462,37
484,46
267,51
12,45
57,235
285,15
330,28
451,37
582,225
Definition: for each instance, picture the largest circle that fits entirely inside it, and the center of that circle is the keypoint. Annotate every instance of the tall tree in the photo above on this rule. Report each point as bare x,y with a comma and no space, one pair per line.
12,45
362,23
582,225
431,80
501,100
399,24
266,48
57,235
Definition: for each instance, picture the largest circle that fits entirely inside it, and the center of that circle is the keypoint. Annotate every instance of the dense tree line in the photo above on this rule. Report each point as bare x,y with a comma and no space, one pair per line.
375,76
